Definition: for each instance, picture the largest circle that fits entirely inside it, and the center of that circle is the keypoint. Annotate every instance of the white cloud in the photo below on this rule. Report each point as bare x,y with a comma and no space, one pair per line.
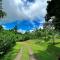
4,27
18,10
40,27
31,30
21,31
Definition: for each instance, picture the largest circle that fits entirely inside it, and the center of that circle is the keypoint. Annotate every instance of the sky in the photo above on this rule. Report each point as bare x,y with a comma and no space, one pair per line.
26,14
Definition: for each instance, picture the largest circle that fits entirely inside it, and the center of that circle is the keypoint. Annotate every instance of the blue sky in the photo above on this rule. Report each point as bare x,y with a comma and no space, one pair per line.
23,24
26,14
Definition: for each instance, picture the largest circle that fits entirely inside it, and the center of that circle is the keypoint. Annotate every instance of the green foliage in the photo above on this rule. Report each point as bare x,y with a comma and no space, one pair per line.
1,28
2,14
53,9
9,37
6,41
12,53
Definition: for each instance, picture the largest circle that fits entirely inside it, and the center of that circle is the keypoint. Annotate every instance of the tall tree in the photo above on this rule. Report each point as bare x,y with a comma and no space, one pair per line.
2,13
53,9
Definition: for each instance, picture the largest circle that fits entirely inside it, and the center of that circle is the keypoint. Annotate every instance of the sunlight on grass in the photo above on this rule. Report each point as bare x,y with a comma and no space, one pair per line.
43,51
35,45
25,55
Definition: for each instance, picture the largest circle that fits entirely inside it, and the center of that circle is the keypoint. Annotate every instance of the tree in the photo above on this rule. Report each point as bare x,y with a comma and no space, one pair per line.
53,9
1,28
14,29
2,14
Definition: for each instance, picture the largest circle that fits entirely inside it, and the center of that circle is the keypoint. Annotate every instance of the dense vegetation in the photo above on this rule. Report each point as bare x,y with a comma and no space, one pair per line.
2,13
8,38
53,9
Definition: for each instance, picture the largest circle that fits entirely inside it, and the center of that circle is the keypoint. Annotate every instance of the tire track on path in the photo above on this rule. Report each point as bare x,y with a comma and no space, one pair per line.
31,54
19,55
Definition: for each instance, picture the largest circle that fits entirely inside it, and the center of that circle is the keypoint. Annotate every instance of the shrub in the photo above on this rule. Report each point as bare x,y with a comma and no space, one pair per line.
6,42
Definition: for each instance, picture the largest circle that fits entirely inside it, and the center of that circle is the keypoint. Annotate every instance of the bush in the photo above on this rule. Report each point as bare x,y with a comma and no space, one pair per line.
6,42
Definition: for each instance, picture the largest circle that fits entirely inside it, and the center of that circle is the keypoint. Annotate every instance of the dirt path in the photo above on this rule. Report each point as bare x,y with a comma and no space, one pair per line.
19,55
31,55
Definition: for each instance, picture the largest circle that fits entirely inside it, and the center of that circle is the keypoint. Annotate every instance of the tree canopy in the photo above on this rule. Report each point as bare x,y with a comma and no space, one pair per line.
2,14
53,9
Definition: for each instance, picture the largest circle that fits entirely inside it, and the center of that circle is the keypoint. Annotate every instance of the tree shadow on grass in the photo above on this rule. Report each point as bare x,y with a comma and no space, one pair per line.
51,53
56,43
44,55
53,49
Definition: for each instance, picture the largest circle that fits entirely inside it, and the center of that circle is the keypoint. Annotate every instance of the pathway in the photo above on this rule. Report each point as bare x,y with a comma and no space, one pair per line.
31,55
20,54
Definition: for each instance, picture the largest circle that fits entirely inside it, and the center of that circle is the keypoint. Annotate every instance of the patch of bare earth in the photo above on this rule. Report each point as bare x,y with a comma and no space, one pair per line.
19,55
31,55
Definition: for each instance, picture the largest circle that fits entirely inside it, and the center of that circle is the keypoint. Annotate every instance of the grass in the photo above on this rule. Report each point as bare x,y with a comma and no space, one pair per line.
42,50
25,55
12,54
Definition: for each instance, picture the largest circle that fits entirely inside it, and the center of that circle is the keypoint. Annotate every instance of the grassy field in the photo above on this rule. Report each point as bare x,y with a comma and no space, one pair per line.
45,50
42,50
